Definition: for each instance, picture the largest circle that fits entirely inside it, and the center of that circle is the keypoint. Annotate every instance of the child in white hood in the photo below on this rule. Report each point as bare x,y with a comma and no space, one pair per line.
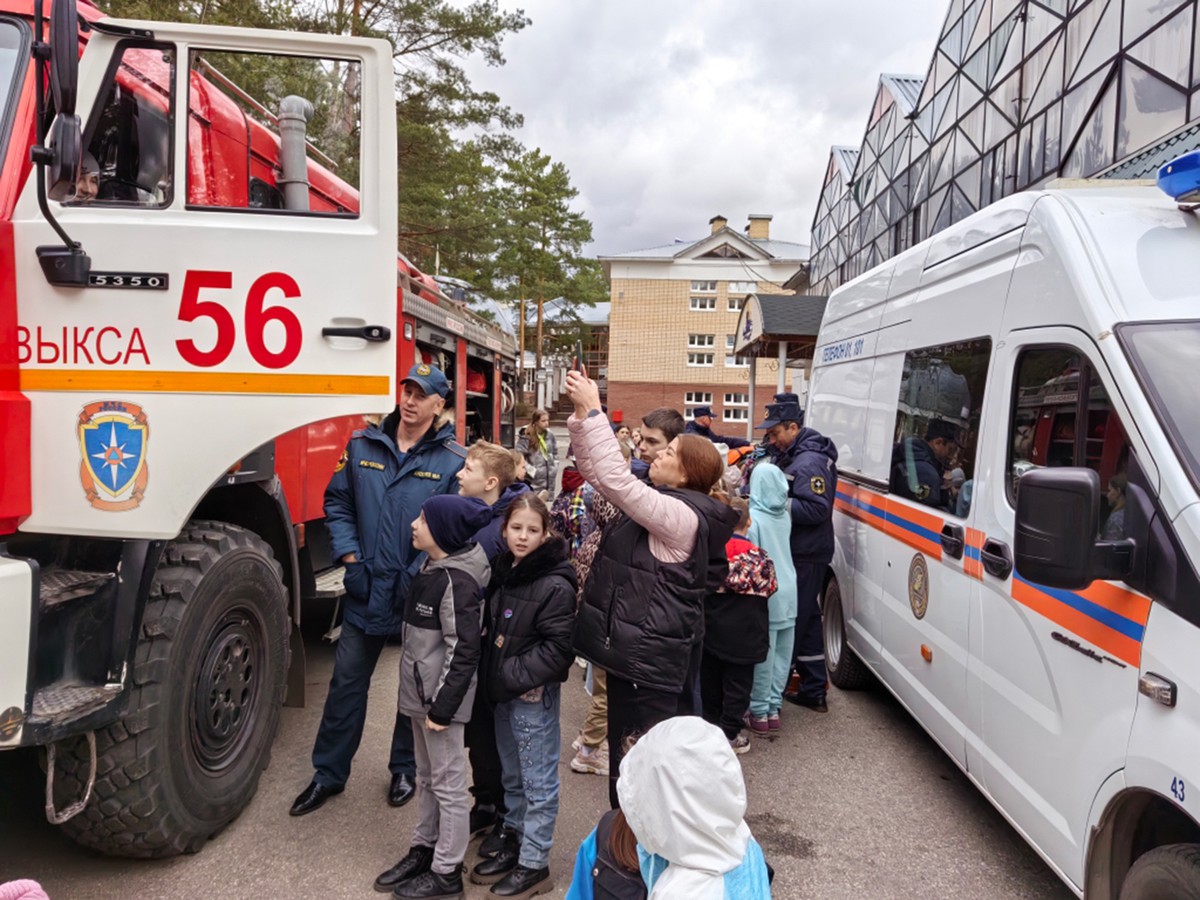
771,529
682,793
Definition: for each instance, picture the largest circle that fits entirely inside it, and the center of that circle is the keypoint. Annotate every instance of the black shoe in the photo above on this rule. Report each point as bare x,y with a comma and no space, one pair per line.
483,819
523,882
494,842
312,797
402,790
431,886
418,861
816,704
492,870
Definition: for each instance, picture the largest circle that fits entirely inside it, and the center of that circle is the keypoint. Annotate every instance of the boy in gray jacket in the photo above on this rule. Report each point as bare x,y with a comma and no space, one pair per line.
438,666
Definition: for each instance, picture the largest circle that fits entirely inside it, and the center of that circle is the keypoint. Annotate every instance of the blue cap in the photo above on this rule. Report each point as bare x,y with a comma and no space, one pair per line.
702,411
786,411
429,379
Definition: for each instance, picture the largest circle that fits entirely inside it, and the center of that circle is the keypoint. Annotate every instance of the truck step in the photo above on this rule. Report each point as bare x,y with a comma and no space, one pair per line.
65,701
329,584
61,585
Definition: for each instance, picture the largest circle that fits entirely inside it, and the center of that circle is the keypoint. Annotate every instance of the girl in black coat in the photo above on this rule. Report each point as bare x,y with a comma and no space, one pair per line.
530,620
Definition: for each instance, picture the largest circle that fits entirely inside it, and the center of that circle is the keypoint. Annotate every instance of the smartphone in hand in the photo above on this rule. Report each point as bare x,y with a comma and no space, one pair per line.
577,363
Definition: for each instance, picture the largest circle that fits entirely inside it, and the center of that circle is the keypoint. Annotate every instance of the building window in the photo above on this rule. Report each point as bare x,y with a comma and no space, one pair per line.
704,304
736,304
737,407
704,287
702,340
743,287
740,361
697,398
700,359
729,341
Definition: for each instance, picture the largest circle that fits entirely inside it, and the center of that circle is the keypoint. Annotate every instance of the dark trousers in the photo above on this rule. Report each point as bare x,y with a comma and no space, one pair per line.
690,703
809,650
486,785
346,712
725,689
632,710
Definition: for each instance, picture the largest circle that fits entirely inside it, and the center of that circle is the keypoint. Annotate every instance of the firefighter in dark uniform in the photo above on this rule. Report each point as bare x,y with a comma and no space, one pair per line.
809,461
919,466
701,424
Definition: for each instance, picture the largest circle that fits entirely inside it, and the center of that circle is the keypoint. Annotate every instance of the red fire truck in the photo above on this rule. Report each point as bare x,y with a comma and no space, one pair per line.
197,307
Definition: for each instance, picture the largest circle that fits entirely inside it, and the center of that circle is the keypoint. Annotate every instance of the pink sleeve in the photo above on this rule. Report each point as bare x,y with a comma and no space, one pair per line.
671,522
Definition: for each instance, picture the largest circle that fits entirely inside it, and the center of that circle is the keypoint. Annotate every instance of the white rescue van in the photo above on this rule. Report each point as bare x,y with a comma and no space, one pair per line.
1016,407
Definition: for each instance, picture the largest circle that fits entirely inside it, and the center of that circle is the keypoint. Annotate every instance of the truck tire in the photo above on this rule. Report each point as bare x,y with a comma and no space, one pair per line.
845,669
1170,872
209,678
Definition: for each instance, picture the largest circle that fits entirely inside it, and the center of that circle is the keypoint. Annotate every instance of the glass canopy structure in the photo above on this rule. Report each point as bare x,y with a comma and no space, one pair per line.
1018,93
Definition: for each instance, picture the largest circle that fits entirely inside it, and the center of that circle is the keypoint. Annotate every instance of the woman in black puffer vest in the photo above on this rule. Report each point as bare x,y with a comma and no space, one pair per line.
643,604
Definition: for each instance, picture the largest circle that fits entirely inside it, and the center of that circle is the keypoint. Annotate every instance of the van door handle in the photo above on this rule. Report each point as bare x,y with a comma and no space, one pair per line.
997,559
376,334
953,540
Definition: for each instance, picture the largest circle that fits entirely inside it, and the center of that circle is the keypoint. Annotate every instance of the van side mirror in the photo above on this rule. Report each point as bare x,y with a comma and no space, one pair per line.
1058,518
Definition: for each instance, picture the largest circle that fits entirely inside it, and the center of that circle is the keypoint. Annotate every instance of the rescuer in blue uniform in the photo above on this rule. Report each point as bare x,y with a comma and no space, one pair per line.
809,461
386,473
701,424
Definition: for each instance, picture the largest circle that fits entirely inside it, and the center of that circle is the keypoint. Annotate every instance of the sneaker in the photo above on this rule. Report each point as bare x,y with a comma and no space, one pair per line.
758,725
774,725
578,742
740,744
591,762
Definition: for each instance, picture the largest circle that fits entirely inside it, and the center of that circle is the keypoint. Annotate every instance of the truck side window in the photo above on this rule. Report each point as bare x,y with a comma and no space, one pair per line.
127,160
937,424
237,149
1062,417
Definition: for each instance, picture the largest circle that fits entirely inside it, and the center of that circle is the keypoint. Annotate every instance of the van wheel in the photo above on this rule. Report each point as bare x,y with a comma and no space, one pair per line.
845,669
1171,872
209,676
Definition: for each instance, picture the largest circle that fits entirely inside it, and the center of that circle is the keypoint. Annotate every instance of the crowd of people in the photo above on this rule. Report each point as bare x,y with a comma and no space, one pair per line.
688,586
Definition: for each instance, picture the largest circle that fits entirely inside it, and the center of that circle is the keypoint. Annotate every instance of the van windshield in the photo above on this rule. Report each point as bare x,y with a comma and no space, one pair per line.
1166,357
11,65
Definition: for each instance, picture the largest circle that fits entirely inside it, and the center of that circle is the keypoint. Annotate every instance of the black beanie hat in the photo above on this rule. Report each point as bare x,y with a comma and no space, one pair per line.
454,520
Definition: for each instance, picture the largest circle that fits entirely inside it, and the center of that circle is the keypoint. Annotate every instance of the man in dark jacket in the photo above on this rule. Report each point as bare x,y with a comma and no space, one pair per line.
701,424
386,473
809,461
919,466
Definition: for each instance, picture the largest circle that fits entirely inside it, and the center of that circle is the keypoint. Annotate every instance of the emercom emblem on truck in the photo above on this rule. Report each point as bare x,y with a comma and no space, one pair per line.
113,436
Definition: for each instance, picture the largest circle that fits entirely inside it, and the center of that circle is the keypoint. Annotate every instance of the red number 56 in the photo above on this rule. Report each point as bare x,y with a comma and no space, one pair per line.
191,308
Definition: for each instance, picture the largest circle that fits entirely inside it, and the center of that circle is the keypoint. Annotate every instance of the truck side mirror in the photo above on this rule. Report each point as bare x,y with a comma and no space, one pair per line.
1058,518
64,56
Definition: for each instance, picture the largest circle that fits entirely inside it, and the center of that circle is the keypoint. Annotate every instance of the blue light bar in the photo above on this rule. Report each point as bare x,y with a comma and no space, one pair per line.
1180,178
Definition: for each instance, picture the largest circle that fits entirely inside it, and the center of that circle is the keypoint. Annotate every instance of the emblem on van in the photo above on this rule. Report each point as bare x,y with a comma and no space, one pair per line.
113,437
918,586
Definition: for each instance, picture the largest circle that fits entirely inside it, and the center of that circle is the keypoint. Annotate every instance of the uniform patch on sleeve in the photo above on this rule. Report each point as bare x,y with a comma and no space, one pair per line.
922,492
371,464
341,463
817,484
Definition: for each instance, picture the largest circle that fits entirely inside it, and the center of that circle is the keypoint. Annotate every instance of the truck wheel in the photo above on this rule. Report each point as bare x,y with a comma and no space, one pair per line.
1170,872
209,678
845,669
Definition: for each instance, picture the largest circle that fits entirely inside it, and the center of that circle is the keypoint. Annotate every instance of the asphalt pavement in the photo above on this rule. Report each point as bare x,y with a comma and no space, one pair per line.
858,803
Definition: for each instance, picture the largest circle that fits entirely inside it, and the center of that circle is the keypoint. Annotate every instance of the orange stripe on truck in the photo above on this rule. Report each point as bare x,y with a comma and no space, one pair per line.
135,382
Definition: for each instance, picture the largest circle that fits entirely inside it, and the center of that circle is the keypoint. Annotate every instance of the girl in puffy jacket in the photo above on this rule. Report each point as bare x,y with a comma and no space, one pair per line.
529,620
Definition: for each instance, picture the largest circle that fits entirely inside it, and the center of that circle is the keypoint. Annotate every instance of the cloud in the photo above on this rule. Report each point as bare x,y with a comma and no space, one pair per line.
667,113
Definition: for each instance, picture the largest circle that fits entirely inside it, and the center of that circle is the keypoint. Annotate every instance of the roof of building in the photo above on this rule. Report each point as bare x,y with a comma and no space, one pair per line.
773,248
785,314
847,159
905,88
1147,163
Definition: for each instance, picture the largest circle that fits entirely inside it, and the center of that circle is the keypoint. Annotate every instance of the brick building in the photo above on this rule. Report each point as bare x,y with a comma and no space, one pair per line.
673,319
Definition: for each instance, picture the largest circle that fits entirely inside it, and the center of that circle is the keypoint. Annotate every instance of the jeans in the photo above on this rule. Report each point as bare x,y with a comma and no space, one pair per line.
771,675
443,801
345,712
528,737
809,647
725,689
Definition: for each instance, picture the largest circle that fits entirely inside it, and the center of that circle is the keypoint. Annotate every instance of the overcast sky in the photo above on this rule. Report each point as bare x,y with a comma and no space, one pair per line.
668,113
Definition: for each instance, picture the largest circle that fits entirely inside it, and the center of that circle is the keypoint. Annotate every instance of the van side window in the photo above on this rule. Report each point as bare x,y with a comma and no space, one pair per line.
937,424
127,160
1062,417
252,114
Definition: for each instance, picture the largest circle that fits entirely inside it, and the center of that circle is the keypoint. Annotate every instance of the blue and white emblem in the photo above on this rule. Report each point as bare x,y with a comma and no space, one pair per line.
113,437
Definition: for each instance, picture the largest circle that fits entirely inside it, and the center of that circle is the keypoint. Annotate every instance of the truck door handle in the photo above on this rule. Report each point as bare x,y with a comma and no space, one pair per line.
997,559
953,540
376,334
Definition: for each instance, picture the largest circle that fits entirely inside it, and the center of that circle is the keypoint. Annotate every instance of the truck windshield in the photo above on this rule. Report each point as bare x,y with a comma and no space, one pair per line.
1166,356
12,58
